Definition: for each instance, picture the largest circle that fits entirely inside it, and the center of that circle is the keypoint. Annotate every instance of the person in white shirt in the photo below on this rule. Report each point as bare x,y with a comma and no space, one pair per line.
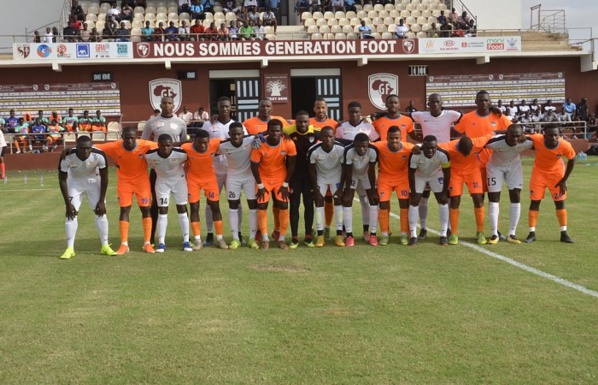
84,171
114,12
48,37
512,110
523,107
201,116
184,31
186,115
355,125
401,30
500,106
168,163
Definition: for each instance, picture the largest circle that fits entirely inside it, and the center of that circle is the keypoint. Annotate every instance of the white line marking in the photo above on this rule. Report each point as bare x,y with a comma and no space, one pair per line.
520,265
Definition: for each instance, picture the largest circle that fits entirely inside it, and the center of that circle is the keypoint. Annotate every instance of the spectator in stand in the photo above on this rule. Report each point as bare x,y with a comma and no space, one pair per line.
246,31
446,30
85,122
535,106
75,23
201,116
549,107
512,110
535,117
123,34
523,107
36,37
208,5
147,32
126,13
77,10
196,10
42,118
222,32
336,5
197,31
55,35
582,110
184,31
54,129
250,5
41,136
411,107
160,32
569,107
471,30
184,6
365,31
71,34
70,122
499,105
108,33
233,31
94,35
56,117
259,31
269,18
463,21
401,30
211,32
453,17
242,17
350,6
315,6
48,36
172,32
442,20
186,115
564,116
11,122
253,16
98,122
434,31
550,116
114,12
21,127
85,34
273,5
230,6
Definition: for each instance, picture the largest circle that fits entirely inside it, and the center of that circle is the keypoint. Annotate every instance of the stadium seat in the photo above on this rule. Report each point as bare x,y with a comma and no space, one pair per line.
410,20
93,9
405,14
387,35
105,7
378,7
150,10
138,16
312,29
343,22
229,16
432,19
339,15
328,15
392,28
135,31
349,15
422,20
394,14
161,16
415,28
426,27
436,13
100,25
90,24
150,17
321,22
268,30
372,14
421,7
400,7
137,24
324,29
174,16
376,35
91,17
410,7
206,23
368,7
173,9
316,36
421,35
336,29
162,10
389,7
442,7
383,14
378,21
309,22
361,14
127,24
329,36
426,13
415,14
347,29
380,28
332,22
185,16
351,36
306,16
339,36
356,29
209,16
389,21
101,17
217,8
354,21
139,9
318,15
218,15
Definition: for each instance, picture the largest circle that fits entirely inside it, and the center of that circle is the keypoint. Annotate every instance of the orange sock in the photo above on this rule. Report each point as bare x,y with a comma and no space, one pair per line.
196,228
328,213
219,227
532,217
405,221
562,216
147,228
479,218
276,212
284,221
384,219
123,226
454,219
262,221
3,167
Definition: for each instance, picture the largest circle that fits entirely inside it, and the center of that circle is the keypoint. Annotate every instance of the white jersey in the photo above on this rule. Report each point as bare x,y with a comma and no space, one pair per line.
523,109
439,126
348,131
219,130
170,168
502,153
2,140
175,127
238,158
328,164
360,163
83,169
428,167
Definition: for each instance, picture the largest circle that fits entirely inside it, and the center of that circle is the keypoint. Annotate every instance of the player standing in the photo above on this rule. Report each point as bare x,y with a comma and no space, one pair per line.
168,163
131,170
273,165
259,123
84,171
393,117
431,167
325,171
505,164
549,171
359,162
393,161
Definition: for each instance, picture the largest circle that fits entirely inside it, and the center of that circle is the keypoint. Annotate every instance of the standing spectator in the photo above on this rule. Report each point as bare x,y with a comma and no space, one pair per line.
569,107
123,34
36,37
147,32
48,37
184,31
401,30
582,110
365,31
197,31
55,35
186,115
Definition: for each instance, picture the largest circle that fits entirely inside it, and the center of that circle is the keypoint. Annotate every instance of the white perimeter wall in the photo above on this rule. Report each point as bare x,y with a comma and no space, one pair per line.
496,14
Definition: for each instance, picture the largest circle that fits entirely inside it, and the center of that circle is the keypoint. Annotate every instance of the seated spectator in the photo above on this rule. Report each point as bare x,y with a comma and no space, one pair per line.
85,34
301,6
453,17
184,31
535,106
569,107
242,17
446,30
41,136
208,5
126,13
85,122
315,6
442,20
246,31
365,31
147,32
113,12
196,10
273,5
54,129
42,118
471,30
336,5
222,32
71,34
55,35
75,23
230,6
186,115
512,110
11,122
500,106
123,34
434,31
94,35
253,16
233,31
184,6
564,116
523,107
211,32
70,122
550,116
463,20
21,127
197,30
108,34
160,32
401,30
141,3
250,5
549,107
259,31
269,18
171,32
55,116
98,122
201,116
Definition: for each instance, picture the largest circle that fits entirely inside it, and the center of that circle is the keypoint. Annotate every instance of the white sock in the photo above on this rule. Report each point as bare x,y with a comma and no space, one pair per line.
514,218
161,227
423,213
320,218
493,210
184,224
348,218
413,217
209,219
338,217
233,220
563,228
70,226
218,237
443,214
252,223
365,210
373,218
102,226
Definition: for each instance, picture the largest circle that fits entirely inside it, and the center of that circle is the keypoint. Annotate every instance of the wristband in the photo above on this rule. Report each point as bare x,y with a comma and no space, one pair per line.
285,184
260,185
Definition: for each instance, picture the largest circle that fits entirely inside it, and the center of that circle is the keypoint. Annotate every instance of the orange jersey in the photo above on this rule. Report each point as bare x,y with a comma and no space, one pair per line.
549,160
201,165
474,126
460,164
131,165
393,166
256,125
272,160
328,122
384,123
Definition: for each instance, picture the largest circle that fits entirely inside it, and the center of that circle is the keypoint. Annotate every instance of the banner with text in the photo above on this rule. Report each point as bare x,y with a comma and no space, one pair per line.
470,44
460,90
71,51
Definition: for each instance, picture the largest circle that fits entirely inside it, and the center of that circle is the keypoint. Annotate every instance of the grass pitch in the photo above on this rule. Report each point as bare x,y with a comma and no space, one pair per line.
385,315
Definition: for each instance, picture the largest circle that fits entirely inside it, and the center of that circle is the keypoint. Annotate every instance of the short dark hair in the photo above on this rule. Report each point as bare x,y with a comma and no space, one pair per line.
327,128
164,138
354,104
130,128
202,134
274,122
430,138
394,129
234,125
83,139
361,137
223,99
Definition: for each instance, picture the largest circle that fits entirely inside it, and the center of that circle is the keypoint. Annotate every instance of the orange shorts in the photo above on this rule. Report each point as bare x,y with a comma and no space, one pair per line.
385,190
473,182
272,188
209,187
141,189
539,182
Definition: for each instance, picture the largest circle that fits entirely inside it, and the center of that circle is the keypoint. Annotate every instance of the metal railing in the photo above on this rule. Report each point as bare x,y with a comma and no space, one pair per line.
36,142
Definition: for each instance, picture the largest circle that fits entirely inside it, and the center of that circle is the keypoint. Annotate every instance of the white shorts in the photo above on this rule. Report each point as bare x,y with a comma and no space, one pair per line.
323,186
511,173
2,140
234,186
360,184
178,188
88,187
435,182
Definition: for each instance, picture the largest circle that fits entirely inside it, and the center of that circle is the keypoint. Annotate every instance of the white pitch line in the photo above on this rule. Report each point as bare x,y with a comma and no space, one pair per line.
522,266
